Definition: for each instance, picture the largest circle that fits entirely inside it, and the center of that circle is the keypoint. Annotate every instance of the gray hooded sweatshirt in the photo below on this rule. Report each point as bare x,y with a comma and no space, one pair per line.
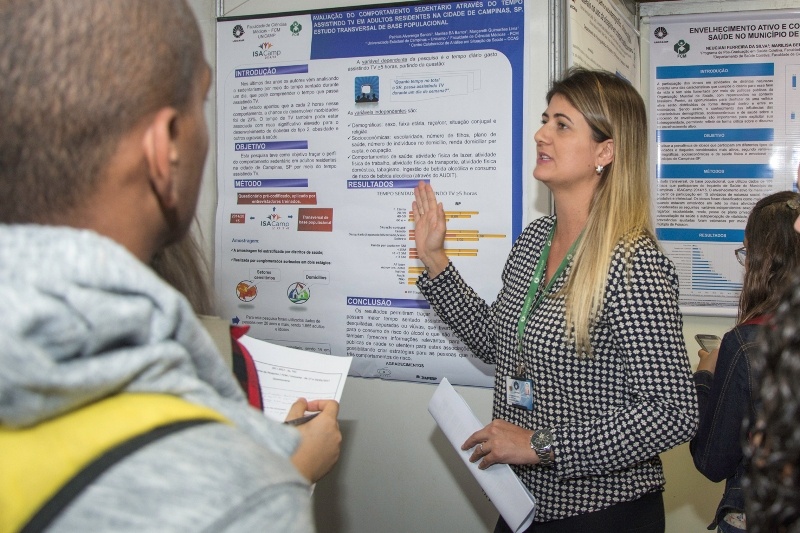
83,319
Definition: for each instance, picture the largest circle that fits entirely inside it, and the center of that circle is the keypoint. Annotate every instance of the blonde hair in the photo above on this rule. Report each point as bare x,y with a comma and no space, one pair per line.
620,208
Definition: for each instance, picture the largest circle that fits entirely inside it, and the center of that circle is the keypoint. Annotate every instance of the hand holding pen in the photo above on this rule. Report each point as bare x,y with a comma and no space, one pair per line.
321,440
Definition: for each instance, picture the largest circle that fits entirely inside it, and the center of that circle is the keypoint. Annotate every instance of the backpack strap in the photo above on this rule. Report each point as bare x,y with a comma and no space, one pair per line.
44,467
244,368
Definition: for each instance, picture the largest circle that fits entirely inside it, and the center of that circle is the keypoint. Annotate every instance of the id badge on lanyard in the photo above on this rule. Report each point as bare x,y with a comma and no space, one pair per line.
519,392
519,389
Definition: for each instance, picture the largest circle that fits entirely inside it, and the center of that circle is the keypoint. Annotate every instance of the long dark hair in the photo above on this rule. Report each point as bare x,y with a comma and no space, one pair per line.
772,488
773,253
182,265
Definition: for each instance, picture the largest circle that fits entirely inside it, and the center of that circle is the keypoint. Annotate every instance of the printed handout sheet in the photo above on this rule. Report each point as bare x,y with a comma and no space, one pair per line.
286,374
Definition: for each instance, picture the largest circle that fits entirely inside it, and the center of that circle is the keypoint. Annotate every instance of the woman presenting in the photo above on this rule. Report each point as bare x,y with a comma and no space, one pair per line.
587,317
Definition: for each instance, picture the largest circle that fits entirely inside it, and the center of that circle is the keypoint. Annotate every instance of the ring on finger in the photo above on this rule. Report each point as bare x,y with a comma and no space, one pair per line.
480,445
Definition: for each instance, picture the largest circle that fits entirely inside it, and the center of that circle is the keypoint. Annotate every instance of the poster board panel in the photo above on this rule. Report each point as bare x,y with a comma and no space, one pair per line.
327,120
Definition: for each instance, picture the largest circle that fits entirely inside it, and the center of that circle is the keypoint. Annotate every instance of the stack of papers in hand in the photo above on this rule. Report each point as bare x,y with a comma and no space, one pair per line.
512,498
286,374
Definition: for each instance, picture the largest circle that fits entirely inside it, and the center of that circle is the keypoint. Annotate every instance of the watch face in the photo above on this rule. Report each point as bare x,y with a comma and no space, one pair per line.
541,439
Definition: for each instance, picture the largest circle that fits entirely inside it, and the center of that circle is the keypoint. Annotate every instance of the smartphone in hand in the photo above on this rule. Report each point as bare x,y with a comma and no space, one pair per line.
708,342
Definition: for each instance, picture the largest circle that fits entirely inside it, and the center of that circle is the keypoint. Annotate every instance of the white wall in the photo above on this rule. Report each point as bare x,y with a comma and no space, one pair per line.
397,473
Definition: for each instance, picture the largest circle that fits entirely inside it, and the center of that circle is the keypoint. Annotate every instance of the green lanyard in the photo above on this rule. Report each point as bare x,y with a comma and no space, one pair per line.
531,301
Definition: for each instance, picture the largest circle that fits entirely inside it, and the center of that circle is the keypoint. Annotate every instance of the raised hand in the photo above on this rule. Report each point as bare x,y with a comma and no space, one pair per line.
430,227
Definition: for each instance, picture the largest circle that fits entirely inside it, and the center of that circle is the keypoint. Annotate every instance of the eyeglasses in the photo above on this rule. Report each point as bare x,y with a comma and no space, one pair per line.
741,254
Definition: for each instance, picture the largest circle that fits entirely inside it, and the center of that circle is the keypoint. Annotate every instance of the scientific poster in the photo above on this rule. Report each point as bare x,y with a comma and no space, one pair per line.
327,122
724,107
602,36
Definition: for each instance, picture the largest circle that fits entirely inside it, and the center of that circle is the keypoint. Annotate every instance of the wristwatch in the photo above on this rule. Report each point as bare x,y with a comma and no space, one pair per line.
542,444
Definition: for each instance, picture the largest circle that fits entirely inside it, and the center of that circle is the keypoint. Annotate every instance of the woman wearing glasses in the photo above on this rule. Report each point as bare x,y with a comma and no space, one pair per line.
724,377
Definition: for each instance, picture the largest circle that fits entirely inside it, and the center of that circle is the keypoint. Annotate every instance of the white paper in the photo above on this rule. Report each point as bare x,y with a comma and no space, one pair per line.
511,497
286,374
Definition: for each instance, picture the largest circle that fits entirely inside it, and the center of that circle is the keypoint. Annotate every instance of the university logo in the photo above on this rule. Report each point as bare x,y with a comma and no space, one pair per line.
681,48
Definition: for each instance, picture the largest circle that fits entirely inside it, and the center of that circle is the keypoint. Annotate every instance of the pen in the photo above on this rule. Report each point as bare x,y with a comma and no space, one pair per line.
301,420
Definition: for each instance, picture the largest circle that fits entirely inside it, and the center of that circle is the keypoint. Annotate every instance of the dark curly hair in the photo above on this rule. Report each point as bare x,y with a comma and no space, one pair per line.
773,484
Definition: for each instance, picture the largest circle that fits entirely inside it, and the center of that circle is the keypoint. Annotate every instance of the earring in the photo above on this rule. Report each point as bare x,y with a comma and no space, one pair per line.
598,169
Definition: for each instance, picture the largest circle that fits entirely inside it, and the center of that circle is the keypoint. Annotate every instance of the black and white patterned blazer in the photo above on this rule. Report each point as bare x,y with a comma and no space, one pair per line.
611,414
